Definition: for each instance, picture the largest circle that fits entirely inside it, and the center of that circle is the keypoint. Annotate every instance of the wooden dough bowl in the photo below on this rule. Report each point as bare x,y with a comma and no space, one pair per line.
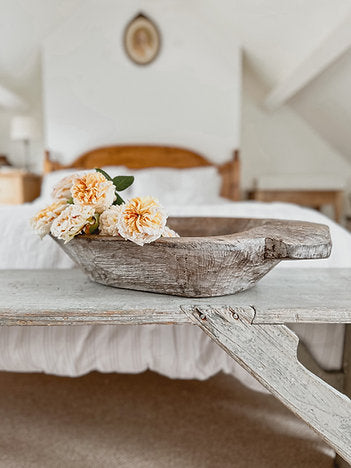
214,256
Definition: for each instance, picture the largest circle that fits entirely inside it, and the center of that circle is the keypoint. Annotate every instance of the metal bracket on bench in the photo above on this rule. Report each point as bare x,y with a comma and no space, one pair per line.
230,314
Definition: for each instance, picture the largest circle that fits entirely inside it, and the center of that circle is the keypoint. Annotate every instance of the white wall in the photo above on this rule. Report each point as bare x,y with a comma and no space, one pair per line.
282,142
276,35
325,104
94,95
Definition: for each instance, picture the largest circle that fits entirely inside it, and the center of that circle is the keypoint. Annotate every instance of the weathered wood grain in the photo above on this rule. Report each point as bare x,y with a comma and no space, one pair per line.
301,315
54,297
230,256
325,297
347,361
67,297
269,353
339,462
335,378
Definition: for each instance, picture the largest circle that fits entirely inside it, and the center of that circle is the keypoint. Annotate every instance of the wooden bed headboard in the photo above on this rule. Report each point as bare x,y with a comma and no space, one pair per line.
146,156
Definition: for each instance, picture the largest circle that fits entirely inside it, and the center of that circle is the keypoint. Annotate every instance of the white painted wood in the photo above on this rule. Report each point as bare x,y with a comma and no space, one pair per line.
213,256
335,378
302,315
37,297
269,353
68,297
338,42
340,463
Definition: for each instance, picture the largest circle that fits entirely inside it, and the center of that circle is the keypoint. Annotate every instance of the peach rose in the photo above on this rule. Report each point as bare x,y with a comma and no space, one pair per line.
108,223
42,221
93,190
63,188
72,221
142,220
167,232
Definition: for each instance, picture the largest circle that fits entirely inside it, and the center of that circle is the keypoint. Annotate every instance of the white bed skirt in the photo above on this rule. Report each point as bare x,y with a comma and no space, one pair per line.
176,351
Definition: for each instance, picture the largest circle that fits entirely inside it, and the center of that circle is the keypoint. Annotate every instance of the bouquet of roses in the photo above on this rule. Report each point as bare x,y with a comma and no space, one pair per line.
91,204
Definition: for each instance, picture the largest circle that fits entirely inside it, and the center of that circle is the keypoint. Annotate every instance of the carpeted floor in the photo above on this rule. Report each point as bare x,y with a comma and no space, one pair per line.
148,421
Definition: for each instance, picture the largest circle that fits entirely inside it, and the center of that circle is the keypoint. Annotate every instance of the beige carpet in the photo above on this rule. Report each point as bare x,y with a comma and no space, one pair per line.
148,421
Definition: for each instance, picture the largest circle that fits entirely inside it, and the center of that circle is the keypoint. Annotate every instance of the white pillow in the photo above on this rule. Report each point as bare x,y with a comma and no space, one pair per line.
195,186
178,186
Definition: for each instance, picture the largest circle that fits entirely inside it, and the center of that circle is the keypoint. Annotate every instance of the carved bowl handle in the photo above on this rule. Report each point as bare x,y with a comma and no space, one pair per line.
294,240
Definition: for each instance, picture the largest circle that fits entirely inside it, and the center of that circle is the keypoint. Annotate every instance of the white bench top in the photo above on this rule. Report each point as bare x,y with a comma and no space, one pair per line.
65,297
241,327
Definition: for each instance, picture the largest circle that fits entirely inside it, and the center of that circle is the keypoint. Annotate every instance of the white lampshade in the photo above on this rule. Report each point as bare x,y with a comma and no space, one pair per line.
24,127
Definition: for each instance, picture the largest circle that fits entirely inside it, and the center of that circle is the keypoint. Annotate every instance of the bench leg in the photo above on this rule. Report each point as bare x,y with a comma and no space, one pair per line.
339,462
269,353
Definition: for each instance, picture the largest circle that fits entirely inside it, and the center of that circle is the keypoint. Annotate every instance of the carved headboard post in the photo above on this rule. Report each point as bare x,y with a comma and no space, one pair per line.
46,162
236,171
49,165
230,172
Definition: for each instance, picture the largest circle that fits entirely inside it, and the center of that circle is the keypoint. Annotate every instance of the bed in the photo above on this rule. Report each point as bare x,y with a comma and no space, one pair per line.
188,185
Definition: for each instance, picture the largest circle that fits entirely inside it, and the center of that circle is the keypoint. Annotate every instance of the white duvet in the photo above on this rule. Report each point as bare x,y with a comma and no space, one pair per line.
181,351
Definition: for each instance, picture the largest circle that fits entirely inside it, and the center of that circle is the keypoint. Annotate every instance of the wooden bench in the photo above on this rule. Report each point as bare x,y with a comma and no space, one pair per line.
249,326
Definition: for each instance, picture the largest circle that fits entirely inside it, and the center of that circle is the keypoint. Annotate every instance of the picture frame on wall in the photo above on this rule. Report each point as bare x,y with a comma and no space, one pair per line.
142,40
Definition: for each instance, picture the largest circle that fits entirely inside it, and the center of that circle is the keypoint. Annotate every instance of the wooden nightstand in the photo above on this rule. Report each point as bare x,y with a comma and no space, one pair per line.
311,190
311,198
18,187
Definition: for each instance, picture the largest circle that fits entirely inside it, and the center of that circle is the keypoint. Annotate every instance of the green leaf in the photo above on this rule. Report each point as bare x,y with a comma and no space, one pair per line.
119,200
103,173
123,182
70,201
94,224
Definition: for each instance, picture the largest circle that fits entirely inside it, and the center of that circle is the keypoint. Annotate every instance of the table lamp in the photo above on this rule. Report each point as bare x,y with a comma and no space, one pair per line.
24,128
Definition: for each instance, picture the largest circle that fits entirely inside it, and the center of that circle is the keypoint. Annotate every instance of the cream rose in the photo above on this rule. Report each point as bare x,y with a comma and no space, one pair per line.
72,221
42,221
167,232
108,223
142,220
93,190
63,188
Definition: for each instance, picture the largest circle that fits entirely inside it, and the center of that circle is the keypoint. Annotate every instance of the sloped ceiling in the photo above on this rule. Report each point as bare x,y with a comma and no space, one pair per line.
325,104
276,36
23,26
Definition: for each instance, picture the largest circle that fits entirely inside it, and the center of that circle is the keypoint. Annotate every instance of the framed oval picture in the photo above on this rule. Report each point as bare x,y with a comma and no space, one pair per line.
142,40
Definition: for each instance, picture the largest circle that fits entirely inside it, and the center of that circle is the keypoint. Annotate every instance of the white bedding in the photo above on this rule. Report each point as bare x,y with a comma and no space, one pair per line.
175,351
